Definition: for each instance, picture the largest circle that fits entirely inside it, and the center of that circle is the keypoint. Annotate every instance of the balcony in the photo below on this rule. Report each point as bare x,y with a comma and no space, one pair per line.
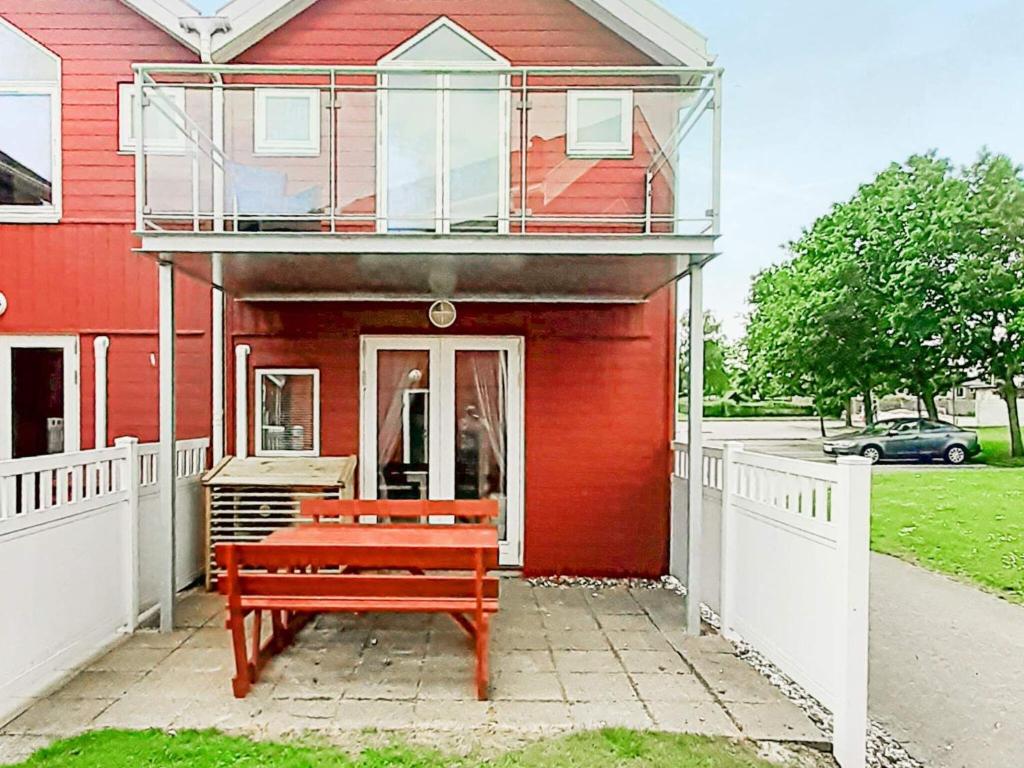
478,160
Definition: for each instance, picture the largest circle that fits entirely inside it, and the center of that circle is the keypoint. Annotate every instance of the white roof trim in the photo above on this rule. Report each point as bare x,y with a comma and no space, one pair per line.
642,23
395,54
167,15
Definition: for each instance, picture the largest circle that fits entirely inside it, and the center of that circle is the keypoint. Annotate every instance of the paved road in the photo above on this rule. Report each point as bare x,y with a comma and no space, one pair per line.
947,668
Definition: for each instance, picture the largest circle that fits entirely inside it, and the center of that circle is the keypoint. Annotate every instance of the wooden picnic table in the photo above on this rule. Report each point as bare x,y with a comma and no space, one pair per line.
297,572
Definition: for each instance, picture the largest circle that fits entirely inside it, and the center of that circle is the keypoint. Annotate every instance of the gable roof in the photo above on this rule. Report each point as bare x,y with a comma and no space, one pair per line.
643,23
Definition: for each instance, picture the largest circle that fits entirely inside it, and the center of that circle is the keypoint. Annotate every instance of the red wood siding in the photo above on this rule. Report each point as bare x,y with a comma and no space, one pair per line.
84,280
598,413
523,31
97,41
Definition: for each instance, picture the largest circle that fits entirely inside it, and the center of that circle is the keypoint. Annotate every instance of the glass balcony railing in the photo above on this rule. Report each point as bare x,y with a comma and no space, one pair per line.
405,149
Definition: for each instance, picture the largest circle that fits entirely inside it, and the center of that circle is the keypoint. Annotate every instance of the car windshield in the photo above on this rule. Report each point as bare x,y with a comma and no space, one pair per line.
879,428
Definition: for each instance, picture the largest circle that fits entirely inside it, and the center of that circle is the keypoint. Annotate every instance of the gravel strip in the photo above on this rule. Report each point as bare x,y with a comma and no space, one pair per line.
883,751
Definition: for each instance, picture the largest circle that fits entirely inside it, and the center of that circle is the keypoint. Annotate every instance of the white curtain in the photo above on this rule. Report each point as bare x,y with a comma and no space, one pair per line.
490,372
397,372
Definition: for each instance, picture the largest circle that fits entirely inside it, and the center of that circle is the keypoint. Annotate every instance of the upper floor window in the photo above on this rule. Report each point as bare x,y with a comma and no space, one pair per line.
287,122
163,121
29,129
444,146
600,123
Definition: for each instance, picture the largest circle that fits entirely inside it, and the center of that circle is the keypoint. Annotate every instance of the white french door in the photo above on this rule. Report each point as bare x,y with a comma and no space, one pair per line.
442,418
39,395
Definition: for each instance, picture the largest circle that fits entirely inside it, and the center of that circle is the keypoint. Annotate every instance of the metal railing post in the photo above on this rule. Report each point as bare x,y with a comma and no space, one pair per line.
716,158
140,157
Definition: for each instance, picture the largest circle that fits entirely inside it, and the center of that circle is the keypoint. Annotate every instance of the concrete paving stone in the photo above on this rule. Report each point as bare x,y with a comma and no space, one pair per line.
578,640
306,689
58,717
384,715
15,749
586,661
180,684
197,609
522,661
779,721
447,685
526,686
709,643
137,712
733,680
398,687
668,686
532,715
289,717
200,659
660,601
652,661
618,714
612,600
124,659
569,620
700,717
637,640
548,597
597,686
398,641
148,638
98,684
229,714
451,715
638,622
535,640
207,637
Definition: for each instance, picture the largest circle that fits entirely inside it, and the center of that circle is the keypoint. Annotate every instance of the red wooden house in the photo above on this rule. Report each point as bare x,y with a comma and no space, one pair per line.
441,236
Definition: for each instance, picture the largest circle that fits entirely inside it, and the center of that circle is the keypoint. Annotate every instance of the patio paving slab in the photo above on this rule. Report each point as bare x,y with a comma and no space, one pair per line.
561,659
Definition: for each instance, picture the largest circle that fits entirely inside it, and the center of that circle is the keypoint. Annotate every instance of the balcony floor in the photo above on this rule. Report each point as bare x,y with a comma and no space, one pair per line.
563,658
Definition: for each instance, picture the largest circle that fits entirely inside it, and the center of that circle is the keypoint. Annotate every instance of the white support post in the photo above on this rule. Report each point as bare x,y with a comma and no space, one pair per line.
242,400
853,512
166,463
695,446
728,556
217,360
100,345
130,481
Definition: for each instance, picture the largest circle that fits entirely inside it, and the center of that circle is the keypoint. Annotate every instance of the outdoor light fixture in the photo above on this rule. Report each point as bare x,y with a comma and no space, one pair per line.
442,314
3,303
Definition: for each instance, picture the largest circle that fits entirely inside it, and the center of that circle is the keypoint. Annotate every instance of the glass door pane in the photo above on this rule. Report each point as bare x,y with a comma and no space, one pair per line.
474,118
412,153
481,429
403,424
37,401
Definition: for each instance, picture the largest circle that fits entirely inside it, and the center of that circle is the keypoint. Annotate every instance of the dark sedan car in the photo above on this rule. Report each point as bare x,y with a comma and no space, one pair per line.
920,439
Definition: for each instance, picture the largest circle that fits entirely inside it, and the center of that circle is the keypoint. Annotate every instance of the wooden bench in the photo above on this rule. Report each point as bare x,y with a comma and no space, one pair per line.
401,511
298,572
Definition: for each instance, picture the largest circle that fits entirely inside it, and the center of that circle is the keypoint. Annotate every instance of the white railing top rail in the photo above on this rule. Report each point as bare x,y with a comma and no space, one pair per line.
151,68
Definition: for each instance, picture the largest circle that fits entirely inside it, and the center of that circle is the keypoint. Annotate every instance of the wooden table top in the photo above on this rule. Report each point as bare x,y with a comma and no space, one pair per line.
386,537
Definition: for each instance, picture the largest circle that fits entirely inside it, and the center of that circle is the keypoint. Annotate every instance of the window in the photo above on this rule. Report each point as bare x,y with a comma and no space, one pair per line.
287,412
599,123
287,122
30,161
444,143
165,128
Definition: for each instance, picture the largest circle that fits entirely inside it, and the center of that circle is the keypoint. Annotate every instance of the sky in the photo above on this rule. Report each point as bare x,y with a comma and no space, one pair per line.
820,95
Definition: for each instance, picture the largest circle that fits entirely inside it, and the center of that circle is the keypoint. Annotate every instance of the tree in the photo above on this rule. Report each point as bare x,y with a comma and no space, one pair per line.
717,376
986,282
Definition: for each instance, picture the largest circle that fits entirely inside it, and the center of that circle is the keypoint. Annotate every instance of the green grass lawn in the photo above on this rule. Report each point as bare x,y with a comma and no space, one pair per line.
968,523
208,749
995,448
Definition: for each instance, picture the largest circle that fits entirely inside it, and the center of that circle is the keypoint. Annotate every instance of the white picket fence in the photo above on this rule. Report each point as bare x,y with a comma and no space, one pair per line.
784,563
79,553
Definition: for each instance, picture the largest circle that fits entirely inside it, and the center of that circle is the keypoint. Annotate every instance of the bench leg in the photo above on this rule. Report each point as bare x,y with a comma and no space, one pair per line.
242,681
482,665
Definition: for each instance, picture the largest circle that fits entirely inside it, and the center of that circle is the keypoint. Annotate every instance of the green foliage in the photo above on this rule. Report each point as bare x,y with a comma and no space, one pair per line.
912,283
610,748
717,359
967,523
728,409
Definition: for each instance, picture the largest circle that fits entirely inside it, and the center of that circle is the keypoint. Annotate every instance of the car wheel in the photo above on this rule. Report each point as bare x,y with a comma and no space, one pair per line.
872,453
956,454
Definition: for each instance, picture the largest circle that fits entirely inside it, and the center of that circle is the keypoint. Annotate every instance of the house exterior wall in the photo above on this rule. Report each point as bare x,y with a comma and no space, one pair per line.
79,276
598,417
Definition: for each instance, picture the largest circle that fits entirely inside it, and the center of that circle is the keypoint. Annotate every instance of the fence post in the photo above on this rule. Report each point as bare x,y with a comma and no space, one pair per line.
130,480
853,513
728,557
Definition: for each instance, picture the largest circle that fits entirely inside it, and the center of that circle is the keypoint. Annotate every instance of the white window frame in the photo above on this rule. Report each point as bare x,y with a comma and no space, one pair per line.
393,61
596,149
267,147
258,374
125,114
72,394
40,214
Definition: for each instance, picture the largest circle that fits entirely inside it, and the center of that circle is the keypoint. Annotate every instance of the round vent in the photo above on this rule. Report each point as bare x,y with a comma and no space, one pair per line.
442,314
